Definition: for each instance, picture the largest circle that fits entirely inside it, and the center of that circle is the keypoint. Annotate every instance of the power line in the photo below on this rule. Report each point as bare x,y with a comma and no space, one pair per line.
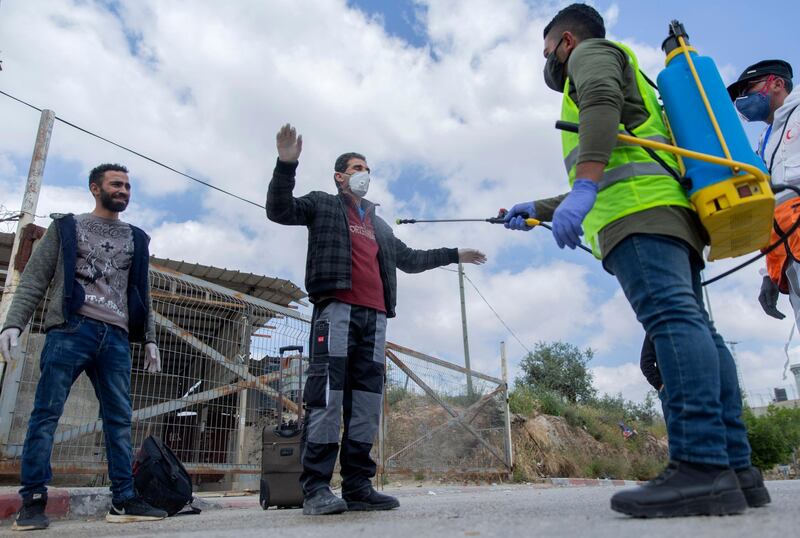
509,329
219,189
134,152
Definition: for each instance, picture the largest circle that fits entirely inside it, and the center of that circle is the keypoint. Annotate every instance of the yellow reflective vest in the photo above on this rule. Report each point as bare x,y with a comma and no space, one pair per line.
632,180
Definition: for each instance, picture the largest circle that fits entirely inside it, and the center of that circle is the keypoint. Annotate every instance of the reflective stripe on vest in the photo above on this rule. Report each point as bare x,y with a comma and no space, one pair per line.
572,159
632,180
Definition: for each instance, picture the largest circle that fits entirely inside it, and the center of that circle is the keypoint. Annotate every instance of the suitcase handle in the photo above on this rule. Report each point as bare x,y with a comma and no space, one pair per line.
281,351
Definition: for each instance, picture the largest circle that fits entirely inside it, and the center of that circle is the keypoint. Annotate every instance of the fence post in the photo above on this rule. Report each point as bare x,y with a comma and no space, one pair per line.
509,448
9,384
241,426
464,327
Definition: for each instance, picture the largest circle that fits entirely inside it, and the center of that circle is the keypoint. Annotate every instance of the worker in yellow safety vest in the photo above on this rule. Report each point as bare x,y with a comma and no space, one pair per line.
639,222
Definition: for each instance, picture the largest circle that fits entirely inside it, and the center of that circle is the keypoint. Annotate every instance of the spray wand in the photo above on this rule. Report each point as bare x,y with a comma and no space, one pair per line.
499,219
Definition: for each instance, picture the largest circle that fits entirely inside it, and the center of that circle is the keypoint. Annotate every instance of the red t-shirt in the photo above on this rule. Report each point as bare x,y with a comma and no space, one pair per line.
366,284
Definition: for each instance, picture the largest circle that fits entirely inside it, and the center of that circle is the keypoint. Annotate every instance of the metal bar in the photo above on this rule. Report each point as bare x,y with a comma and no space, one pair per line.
244,351
255,301
474,409
464,326
440,362
155,294
145,413
424,386
30,201
238,369
506,408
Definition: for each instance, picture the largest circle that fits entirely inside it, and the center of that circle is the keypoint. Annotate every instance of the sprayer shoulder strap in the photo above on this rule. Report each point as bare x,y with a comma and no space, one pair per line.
780,139
647,79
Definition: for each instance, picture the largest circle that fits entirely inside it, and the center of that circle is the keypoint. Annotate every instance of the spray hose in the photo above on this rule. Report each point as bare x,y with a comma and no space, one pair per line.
499,219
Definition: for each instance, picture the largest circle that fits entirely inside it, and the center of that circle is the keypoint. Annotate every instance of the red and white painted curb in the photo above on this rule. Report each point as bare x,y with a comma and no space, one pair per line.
586,482
58,501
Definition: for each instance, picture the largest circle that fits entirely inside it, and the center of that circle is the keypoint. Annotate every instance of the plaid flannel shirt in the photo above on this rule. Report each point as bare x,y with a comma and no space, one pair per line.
329,261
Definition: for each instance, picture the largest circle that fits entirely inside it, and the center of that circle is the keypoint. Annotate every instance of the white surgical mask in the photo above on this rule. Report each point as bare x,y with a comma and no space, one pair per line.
359,183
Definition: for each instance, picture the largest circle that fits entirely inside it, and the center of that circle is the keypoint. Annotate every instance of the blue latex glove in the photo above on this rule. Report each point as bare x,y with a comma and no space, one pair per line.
570,213
515,219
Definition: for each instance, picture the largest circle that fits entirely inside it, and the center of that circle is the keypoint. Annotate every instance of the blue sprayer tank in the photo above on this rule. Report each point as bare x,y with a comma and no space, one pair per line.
735,207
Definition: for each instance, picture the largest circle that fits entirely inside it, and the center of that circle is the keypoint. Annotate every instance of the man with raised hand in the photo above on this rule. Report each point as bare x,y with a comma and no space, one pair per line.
351,279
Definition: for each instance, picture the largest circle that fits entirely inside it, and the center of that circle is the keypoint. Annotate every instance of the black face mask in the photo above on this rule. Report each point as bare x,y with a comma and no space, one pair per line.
555,71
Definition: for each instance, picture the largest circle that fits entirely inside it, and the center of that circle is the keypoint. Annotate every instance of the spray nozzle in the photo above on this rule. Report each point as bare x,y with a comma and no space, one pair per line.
676,30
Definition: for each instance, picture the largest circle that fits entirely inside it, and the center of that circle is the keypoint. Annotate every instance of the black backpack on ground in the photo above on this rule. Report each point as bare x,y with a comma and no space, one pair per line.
161,479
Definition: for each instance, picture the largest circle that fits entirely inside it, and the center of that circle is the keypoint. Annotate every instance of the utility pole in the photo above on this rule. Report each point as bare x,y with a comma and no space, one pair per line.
508,441
738,370
464,327
9,380
30,200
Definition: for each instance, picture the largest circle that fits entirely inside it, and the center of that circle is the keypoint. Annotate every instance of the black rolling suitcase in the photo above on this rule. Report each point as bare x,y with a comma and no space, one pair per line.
282,448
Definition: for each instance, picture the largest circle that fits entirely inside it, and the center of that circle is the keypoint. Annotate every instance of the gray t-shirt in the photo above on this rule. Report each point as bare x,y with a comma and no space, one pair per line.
105,252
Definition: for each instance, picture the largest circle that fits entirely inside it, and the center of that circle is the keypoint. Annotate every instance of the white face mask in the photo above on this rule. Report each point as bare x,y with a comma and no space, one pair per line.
359,183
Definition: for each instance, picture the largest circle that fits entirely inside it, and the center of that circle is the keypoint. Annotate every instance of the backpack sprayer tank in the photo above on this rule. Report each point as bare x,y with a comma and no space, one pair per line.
735,203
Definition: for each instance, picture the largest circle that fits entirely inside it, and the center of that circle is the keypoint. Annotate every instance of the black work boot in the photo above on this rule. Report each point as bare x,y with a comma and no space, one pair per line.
684,489
135,509
31,515
367,499
752,484
323,502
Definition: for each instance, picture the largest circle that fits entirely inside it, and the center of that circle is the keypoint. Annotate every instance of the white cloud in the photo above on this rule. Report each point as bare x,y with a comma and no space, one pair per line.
204,86
626,379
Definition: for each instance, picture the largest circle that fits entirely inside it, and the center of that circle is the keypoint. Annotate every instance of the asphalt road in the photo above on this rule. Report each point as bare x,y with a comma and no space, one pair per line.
469,511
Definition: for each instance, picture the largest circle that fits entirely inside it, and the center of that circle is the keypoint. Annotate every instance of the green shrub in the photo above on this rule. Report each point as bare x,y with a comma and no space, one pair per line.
395,394
551,403
772,436
607,467
522,401
643,468
519,476
526,400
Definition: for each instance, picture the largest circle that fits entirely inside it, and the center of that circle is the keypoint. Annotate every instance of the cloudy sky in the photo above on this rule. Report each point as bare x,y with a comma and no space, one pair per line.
444,97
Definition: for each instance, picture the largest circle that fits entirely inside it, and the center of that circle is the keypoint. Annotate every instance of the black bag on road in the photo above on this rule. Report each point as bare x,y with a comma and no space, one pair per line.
161,479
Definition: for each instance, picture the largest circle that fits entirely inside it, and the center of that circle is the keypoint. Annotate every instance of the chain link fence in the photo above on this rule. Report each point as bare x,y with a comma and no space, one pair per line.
441,420
220,385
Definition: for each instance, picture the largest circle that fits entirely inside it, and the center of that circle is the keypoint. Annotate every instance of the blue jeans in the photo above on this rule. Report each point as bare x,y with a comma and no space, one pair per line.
660,276
662,398
103,352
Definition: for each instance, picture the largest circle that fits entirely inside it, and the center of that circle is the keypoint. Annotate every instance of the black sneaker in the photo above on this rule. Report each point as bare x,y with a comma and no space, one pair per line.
135,509
752,484
323,502
684,489
367,499
31,515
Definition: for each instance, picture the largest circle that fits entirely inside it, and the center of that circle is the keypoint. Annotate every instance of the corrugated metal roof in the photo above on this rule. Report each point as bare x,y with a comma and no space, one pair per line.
274,290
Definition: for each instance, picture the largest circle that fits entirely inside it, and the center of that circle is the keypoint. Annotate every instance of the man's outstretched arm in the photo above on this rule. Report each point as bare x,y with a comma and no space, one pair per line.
410,260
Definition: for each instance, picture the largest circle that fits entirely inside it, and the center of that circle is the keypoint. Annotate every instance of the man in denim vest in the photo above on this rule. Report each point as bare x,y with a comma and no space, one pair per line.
96,269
